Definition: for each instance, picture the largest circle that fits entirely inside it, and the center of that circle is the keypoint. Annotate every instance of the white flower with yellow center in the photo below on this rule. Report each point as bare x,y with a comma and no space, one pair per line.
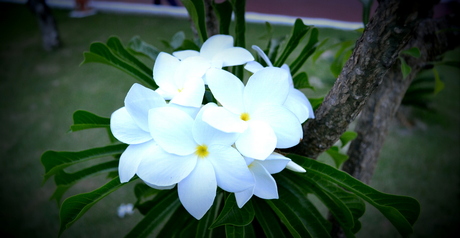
256,111
296,101
193,155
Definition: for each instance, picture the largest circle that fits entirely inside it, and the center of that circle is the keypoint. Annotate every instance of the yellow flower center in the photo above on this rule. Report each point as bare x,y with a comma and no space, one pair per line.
202,151
245,116
180,90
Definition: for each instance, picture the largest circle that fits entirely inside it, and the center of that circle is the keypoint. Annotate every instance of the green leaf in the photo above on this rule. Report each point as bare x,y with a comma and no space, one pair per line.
341,56
405,68
401,211
233,215
347,136
414,52
74,207
267,219
177,40
291,207
298,32
315,102
319,51
301,81
239,10
438,84
338,157
180,218
223,12
157,215
64,178
204,225
101,53
139,46
188,45
117,47
367,5
239,231
55,161
86,120
306,52
196,10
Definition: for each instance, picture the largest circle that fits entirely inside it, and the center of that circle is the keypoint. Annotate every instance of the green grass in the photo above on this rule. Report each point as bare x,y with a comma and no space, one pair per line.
40,90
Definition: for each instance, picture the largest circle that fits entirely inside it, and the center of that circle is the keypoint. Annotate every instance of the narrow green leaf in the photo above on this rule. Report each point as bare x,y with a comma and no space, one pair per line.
55,161
405,68
273,47
223,12
239,231
414,52
64,178
101,53
239,9
401,211
341,57
139,46
367,5
438,84
233,215
188,45
298,32
86,120
301,81
338,157
74,207
267,219
117,47
179,219
196,10
319,50
156,217
347,136
306,52
204,224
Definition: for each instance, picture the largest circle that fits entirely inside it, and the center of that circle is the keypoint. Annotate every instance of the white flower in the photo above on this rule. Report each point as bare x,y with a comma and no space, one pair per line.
125,209
217,52
195,156
256,111
296,101
265,185
129,125
180,81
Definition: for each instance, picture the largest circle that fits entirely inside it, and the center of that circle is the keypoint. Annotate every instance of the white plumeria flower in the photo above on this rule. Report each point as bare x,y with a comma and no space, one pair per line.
217,52
125,209
195,156
296,101
180,81
265,185
256,111
129,125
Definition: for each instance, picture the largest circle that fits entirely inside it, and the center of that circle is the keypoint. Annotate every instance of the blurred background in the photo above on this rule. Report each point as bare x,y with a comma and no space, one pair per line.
40,89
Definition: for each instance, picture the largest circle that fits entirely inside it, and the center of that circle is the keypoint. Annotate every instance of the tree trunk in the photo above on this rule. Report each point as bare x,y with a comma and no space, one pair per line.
372,125
388,32
48,28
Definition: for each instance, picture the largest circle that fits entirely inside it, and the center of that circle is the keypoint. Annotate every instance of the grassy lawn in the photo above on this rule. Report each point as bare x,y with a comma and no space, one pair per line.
40,90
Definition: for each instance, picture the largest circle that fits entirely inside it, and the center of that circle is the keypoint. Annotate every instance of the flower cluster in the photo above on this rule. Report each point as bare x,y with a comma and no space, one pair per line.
174,139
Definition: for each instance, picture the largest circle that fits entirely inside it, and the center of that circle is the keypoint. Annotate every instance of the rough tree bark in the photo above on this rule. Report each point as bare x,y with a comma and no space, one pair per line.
372,125
387,33
47,23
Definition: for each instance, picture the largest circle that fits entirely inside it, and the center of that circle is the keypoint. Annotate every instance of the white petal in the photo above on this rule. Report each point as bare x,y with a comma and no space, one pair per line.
268,86
164,70
191,111
262,54
284,123
298,103
227,89
198,190
258,141
253,66
192,67
206,134
232,173
286,67
274,163
160,168
191,95
160,187
125,129
131,158
244,196
171,128
215,44
233,56
265,184
295,167
183,54
222,119
139,101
